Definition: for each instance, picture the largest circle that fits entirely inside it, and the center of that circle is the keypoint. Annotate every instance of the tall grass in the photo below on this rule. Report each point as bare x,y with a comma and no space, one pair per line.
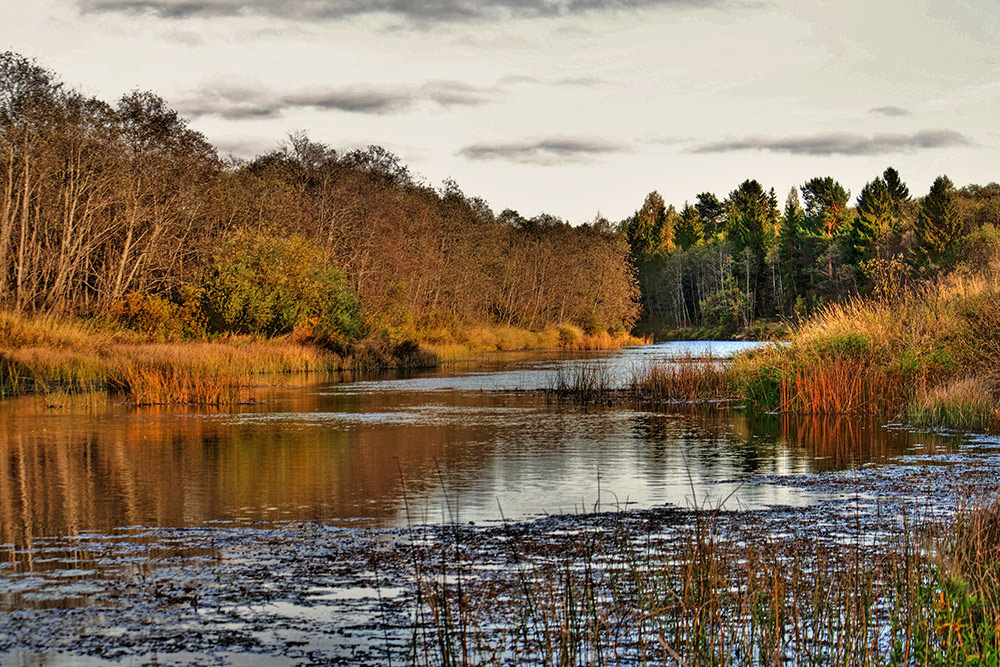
473,341
967,403
584,382
686,379
50,355
724,591
930,356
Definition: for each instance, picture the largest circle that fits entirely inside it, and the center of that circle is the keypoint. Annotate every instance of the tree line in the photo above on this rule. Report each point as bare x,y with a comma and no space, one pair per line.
721,267
123,208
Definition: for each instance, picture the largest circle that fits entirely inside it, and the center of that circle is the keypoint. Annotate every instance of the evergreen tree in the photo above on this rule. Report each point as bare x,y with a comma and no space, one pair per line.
688,231
712,213
876,216
789,252
645,227
751,217
938,224
826,205
897,190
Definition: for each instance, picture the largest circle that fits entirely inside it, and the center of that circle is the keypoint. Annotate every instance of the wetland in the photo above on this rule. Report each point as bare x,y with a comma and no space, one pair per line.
377,518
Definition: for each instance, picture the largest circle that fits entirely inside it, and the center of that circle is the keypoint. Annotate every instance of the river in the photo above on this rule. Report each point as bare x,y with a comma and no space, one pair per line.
111,515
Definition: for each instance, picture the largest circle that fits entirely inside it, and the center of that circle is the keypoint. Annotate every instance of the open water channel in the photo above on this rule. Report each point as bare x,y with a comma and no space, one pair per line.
165,535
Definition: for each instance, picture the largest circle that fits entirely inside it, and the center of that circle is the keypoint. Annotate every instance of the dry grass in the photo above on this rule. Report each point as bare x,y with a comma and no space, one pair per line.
684,379
46,354
929,354
969,403
49,355
476,341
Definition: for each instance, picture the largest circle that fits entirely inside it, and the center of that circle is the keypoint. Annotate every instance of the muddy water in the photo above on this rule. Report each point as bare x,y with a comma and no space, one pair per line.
114,517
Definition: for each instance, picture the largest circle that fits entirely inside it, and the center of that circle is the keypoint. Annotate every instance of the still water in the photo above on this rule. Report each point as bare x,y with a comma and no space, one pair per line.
262,534
466,444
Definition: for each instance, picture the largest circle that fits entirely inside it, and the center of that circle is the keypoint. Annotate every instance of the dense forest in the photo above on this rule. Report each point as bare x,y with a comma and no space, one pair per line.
121,210
124,210
745,264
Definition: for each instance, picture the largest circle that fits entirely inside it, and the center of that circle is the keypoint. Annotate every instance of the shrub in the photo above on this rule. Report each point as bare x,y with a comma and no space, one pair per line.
150,314
568,335
268,285
391,318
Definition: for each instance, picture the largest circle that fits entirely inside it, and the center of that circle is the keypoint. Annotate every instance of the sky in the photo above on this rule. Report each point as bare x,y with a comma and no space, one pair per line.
576,108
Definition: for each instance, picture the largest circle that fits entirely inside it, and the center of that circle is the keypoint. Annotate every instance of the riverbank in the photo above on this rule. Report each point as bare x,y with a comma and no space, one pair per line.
44,354
927,357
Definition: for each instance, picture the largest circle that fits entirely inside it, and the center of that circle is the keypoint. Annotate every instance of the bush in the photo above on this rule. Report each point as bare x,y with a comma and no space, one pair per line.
149,314
268,285
723,311
568,335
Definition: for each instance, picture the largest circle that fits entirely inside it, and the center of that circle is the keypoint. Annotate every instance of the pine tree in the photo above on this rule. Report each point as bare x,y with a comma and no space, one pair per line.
688,231
876,217
712,213
645,228
938,223
826,205
789,252
751,217
897,190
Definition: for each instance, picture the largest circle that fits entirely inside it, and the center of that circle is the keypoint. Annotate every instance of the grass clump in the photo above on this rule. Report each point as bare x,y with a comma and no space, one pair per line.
686,379
929,355
968,403
584,382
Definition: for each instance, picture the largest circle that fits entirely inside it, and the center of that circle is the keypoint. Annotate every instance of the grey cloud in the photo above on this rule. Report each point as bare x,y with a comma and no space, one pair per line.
231,103
582,81
890,111
239,103
416,11
552,150
840,143
576,81
455,93
354,100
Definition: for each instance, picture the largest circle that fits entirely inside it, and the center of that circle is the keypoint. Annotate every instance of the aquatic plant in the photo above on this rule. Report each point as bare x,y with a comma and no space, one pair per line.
718,589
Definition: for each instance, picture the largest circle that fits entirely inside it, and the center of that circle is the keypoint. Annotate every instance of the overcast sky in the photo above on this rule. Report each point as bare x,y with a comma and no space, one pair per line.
571,107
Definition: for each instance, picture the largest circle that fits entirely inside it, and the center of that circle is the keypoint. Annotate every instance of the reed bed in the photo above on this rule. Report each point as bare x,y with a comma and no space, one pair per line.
585,382
475,341
928,356
686,379
720,591
46,355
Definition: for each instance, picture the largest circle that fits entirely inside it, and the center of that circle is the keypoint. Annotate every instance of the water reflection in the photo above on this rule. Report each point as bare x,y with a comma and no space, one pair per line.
387,452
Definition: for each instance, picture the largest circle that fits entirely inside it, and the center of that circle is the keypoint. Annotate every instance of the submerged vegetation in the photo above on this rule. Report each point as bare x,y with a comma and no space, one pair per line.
719,589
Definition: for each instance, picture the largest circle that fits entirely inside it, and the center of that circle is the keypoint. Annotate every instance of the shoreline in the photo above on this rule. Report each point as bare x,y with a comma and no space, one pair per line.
44,355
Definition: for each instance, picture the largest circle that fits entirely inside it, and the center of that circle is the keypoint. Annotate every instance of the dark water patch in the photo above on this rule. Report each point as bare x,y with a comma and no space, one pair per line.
306,592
